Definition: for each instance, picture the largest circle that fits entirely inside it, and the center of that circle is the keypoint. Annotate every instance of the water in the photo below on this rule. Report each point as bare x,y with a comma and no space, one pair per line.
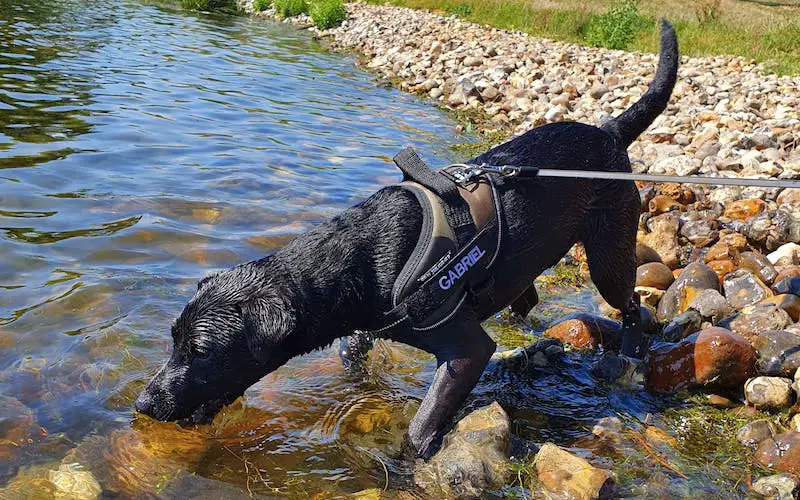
142,147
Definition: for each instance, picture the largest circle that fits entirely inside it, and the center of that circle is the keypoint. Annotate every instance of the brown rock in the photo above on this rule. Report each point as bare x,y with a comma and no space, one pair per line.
645,254
678,192
714,358
788,302
722,251
569,476
661,204
586,331
745,209
782,453
734,240
759,265
655,275
722,267
663,237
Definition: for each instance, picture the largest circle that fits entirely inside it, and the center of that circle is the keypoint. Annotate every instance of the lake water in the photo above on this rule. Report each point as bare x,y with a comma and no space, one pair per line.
142,147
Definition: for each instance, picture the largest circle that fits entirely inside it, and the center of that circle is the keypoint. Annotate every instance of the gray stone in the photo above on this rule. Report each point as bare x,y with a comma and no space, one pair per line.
696,275
770,393
778,353
711,305
743,289
700,232
598,90
682,326
756,319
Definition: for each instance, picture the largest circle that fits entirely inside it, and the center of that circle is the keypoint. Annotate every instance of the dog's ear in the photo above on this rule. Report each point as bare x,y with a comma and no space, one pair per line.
205,280
266,325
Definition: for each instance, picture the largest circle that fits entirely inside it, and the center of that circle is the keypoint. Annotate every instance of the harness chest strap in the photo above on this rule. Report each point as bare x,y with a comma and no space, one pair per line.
450,261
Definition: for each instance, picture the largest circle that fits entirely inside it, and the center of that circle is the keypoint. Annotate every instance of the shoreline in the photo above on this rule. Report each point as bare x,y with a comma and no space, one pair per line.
727,116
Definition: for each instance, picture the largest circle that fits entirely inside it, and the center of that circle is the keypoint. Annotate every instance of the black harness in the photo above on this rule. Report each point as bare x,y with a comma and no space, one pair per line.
459,241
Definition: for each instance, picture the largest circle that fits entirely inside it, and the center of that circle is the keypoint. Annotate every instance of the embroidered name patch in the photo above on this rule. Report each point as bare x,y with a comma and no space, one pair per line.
460,268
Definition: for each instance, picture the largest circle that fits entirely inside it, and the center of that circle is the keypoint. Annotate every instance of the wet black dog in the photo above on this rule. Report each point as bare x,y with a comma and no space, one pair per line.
246,322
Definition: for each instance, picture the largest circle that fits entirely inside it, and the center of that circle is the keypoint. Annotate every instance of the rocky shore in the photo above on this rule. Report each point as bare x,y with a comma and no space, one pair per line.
719,269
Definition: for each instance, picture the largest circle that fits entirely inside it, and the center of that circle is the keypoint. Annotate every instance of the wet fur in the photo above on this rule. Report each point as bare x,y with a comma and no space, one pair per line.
246,322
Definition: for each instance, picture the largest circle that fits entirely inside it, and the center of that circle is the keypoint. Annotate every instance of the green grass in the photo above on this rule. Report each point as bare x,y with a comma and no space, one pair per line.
261,5
289,8
327,14
210,5
769,35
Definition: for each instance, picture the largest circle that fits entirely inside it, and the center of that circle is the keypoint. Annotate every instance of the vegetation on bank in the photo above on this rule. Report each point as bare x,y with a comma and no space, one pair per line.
228,6
768,32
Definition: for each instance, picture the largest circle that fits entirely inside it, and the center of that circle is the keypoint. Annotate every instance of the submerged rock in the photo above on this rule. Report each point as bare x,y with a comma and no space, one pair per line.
691,281
715,358
569,476
743,288
72,482
778,352
769,393
778,487
586,331
782,453
473,458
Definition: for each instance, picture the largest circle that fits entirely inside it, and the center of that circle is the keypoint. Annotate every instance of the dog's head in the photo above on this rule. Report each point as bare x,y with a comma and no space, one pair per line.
235,330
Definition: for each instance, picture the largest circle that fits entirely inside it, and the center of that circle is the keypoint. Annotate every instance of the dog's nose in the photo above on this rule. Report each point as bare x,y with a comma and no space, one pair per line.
142,403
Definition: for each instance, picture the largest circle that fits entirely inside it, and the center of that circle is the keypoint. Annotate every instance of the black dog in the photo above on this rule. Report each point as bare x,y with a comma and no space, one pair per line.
246,322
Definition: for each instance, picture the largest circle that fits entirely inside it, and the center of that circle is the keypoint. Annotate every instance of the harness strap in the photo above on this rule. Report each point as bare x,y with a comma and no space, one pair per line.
456,209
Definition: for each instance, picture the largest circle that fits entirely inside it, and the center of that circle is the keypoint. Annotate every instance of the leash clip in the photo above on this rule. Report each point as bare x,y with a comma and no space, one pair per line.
465,174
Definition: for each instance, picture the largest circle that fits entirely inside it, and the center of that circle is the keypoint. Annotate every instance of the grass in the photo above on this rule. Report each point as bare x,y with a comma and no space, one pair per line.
289,8
327,14
228,6
768,33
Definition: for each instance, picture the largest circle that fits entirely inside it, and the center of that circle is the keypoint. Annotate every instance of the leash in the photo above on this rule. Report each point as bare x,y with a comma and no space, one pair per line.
466,173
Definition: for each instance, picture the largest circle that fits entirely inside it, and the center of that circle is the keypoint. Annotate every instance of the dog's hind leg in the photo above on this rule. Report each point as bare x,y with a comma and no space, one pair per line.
523,304
462,349
610,241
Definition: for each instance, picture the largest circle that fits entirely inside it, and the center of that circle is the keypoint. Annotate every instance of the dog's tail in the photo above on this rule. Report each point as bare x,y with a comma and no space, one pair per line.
635,120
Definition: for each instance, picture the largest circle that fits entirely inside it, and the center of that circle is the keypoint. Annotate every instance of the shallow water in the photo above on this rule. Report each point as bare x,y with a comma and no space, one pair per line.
142,147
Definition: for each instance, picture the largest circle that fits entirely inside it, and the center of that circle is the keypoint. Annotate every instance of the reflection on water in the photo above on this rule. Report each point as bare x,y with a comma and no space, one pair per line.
142,147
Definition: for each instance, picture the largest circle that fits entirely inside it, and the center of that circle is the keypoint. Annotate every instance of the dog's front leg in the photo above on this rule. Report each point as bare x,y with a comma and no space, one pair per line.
462,350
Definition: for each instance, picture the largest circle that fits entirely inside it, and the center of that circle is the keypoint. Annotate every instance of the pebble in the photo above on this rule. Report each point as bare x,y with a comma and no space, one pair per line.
782,453
654,275
682,326
759,265
769,393
778,353
756,319
693,279
787,254
752,433
743,288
